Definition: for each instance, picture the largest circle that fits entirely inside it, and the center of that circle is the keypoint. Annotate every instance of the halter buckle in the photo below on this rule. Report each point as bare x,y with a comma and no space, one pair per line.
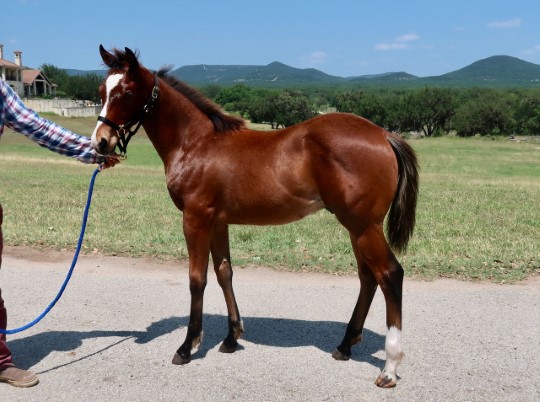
155,92
153,98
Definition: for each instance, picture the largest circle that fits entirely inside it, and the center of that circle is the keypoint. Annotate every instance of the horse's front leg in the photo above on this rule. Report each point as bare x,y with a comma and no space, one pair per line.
198,236
222,266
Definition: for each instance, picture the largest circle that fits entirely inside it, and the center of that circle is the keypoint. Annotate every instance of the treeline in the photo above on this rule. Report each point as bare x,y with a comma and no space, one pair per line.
84,87
431,111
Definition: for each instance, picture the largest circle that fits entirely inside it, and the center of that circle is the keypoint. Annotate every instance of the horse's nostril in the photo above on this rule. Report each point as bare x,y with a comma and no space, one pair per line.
102,145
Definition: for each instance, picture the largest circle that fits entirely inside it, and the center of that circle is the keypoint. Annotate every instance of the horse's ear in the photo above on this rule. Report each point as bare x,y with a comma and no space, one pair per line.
131,59
109,60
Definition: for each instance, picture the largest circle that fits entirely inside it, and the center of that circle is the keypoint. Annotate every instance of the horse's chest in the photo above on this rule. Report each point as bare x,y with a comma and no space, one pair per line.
176,189
185,185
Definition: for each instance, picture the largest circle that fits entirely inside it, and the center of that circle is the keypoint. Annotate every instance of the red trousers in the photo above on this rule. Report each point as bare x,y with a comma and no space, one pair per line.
5,354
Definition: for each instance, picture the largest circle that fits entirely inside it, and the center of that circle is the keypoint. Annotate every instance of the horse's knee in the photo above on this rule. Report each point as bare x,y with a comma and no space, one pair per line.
197,283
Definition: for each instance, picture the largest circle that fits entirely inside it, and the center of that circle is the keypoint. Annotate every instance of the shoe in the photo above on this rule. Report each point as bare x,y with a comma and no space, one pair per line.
18,378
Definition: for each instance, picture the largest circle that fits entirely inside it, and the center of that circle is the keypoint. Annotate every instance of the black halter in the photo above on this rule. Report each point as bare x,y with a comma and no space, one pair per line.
127,128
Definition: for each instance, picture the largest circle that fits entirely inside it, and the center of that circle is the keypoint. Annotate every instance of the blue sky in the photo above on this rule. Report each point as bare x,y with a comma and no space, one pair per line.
344,38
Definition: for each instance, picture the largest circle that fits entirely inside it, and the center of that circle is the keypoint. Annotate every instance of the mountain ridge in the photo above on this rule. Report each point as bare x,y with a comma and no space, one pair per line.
500,70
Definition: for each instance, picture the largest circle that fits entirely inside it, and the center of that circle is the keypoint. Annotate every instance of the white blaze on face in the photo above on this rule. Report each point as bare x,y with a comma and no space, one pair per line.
111,83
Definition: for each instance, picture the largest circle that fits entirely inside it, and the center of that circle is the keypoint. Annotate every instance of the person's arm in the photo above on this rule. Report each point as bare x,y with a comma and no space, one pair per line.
44,132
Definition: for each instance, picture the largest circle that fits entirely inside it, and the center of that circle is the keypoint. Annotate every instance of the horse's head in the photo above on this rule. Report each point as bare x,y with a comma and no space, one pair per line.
127,94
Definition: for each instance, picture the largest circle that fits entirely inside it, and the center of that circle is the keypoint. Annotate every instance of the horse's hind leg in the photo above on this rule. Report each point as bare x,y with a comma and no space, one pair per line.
353,334
389,275
222,266
374,254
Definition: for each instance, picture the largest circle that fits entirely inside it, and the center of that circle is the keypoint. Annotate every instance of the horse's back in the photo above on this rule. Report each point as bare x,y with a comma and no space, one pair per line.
354,131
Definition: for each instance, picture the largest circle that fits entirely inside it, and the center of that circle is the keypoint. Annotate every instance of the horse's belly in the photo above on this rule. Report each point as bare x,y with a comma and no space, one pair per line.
273,214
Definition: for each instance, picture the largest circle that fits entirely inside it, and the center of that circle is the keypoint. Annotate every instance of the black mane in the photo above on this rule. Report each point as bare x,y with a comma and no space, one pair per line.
222,122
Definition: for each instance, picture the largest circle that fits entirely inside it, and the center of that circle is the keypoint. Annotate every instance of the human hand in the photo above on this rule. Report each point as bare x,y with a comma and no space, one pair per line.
110,161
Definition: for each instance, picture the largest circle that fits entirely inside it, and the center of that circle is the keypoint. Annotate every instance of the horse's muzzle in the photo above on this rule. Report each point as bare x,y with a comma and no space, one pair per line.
104,140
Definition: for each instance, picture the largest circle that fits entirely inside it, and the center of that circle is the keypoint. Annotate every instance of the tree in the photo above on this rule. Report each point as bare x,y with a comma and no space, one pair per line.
261,106
347,101
56,76
527,115
292,107
211,90
84,87
233,99
428,110
361,104
484,112
395,113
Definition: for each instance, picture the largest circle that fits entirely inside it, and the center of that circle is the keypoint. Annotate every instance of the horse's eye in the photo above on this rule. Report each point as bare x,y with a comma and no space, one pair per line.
128,94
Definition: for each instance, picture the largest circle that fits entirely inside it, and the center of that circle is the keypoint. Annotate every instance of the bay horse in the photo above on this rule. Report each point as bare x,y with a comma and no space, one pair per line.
218,173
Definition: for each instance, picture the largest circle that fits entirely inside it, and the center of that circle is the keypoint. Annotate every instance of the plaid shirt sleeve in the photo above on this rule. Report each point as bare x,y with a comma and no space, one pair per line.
15,115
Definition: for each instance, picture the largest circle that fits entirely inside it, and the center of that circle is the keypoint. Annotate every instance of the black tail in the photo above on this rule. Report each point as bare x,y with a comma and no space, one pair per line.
402,216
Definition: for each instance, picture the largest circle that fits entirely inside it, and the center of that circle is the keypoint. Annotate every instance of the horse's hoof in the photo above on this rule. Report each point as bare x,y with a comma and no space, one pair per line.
228,347
338,355
179,360
384,380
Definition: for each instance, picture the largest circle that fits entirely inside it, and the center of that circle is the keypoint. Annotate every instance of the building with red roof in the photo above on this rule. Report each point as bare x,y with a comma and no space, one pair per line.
25,81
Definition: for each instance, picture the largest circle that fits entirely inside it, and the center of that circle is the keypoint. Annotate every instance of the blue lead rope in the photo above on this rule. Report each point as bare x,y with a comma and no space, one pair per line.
73,263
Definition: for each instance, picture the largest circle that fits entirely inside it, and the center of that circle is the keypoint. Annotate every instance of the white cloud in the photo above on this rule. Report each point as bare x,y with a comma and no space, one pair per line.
314,58
390,46
531,51
407,38
317,57
514,23
400,42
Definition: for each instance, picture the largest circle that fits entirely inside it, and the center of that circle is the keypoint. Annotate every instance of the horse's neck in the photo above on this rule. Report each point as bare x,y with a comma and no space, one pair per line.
169,124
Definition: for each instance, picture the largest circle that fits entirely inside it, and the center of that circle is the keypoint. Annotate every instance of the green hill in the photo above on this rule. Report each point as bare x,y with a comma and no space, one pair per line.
495,71
273,74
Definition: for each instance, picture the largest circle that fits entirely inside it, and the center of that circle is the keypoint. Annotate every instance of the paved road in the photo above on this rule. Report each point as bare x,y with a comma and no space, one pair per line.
114,332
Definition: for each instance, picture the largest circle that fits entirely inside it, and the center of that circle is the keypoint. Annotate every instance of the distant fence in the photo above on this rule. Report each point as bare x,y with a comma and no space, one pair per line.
64,107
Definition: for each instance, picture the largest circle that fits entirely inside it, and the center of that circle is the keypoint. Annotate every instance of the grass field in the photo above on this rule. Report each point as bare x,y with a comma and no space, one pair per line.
478,214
